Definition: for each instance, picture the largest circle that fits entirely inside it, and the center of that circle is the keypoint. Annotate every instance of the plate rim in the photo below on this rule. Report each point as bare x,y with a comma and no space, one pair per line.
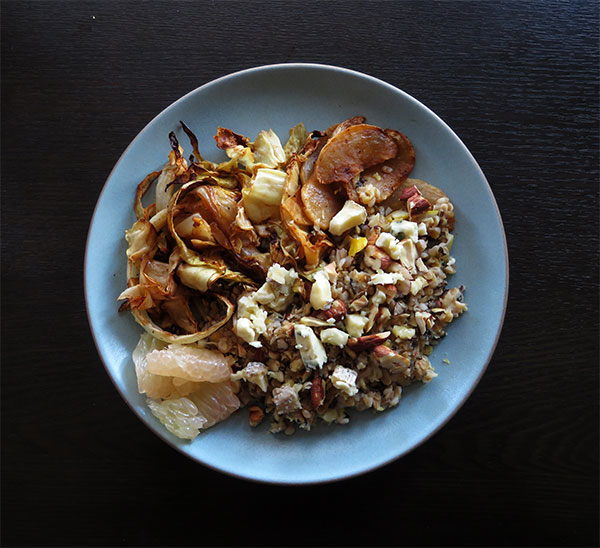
407,96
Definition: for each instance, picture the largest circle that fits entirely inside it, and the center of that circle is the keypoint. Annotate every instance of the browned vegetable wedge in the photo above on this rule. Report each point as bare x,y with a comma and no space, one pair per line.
431,193
352,151
226,138
178,309
389,175
193,141
312,245
139,209
156,331
291,202
322,202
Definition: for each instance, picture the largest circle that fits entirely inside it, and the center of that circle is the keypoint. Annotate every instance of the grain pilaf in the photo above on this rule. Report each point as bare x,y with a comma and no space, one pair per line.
299,281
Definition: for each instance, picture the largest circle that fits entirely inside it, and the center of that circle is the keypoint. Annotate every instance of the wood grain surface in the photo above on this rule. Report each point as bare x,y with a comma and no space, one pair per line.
518,82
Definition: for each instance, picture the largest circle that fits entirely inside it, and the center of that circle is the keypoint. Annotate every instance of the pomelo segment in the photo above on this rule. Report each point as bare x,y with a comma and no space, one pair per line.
209,404
180,416
190,363
154,386
215,402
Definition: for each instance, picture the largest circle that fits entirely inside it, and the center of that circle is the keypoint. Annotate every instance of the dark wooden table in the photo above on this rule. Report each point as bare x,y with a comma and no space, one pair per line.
518,464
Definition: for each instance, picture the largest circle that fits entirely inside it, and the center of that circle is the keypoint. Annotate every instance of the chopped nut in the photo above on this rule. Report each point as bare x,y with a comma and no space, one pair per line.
417,205
409,192
415,202
358,344
331,272
450,301
317,391
424,321
379,298
337,311
255,415
390,290
373,235
313,322
297,365
390,359
376,258
359,303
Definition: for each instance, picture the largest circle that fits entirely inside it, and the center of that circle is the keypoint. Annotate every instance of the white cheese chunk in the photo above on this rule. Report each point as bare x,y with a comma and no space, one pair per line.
254,372
244,329
355,324
403,332
251,318
379,298
351,215
344,379
407,229
320,294
389,244
286,399
384,278
278,291
281,275
312,351
334,336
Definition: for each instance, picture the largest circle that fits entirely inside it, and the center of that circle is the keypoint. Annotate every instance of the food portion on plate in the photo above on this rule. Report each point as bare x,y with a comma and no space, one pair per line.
297,280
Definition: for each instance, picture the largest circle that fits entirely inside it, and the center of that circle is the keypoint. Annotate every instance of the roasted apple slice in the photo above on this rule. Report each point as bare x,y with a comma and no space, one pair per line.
351,151
322,202
389,175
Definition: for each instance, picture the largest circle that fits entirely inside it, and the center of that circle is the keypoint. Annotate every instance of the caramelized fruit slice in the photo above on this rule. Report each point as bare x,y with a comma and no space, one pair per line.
389,175
352,151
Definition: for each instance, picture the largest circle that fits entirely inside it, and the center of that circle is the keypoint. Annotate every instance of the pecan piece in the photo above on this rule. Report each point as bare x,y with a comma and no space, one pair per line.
317,391
415,202
417,205
255,415
375,232
337,311
390,290
358,344
409,192
376,258
391,360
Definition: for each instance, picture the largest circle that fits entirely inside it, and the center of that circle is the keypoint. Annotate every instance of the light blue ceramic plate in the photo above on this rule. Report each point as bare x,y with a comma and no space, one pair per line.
278,97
